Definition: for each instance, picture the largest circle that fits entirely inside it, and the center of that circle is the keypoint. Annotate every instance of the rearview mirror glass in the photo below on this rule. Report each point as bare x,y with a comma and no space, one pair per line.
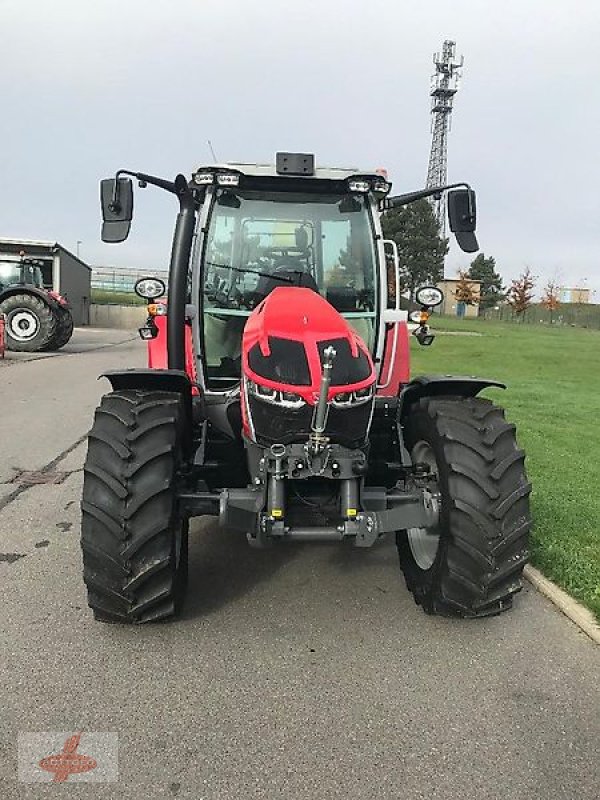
462,215
116,197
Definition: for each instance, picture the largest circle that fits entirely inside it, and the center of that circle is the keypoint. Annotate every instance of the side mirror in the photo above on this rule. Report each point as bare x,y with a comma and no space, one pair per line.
116,197
462,215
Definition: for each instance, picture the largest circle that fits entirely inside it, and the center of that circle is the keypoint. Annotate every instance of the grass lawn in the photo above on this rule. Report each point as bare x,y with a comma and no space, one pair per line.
104,297
553,395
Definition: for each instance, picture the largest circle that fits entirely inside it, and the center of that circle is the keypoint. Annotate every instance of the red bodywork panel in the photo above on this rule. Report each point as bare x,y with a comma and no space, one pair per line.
304,316
395,364
62,301
157,351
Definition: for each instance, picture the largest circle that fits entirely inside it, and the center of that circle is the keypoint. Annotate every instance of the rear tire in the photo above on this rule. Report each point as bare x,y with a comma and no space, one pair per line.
30,323
484,519
64,328
134,542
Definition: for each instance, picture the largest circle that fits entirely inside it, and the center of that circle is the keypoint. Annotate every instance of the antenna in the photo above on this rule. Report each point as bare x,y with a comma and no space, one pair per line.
211,150
444,85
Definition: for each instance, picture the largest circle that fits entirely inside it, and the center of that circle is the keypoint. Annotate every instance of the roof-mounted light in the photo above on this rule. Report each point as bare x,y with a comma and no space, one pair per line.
359,185
381,186
228,179
204,178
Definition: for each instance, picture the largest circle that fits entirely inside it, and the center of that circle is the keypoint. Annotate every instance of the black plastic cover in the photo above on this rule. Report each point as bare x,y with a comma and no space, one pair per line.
295,164
287,362
346,368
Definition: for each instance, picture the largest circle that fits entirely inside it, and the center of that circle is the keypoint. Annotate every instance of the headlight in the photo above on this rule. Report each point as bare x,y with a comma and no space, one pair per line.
355,398
359,185
149,288
228,179
275,396
203,178
381,186
429,296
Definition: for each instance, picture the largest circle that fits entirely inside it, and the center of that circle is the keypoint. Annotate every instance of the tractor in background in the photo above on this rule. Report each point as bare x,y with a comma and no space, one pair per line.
35,319
278,398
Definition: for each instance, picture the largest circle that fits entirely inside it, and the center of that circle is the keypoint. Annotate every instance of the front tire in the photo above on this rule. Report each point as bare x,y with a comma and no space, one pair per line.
134,542
470,565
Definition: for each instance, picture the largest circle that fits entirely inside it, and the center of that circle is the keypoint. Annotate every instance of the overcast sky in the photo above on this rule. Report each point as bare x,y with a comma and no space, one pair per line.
88,87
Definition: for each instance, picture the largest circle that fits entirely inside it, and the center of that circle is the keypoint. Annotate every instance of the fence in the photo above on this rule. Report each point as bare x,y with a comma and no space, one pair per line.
579,315
114,285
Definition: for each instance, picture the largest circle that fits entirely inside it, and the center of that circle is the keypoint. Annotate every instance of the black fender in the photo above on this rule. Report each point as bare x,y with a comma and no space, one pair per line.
158,380
436,385
50,301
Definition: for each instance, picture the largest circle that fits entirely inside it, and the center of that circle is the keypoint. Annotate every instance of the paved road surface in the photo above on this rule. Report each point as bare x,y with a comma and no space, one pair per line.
305,672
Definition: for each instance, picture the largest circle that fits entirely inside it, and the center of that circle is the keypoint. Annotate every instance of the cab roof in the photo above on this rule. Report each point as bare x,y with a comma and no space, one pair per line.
292,165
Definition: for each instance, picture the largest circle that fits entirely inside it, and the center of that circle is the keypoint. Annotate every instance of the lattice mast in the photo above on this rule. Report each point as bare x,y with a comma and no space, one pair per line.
444,85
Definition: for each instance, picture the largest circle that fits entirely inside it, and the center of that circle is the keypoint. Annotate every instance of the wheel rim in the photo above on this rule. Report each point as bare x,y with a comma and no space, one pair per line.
424,542
23,325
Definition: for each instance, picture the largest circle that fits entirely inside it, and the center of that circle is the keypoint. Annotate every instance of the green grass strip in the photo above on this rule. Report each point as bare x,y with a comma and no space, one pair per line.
553,395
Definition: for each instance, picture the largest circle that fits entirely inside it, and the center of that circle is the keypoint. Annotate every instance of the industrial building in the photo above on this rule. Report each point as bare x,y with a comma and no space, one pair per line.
62,272
573,295
453,307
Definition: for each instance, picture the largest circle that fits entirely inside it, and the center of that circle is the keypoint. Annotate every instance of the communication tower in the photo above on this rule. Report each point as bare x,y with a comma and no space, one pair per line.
444,85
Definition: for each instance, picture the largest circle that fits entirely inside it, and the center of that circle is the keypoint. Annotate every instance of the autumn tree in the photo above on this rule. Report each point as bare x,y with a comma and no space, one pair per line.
465,291
520,294
421,249
483,269
550,298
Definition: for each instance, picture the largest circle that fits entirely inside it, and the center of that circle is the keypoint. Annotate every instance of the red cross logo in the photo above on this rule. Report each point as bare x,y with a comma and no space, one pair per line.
69,761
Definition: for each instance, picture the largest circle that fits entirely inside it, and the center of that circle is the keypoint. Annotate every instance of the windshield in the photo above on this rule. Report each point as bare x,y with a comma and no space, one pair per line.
256,242
10,272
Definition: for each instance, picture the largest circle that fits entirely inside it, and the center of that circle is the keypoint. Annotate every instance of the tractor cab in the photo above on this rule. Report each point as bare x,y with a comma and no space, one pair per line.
263,228
20,273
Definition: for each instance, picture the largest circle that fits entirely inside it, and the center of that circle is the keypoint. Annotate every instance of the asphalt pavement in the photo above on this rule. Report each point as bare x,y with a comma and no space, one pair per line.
299,672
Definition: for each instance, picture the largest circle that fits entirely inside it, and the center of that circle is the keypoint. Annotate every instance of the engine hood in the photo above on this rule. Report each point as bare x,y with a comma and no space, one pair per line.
284,339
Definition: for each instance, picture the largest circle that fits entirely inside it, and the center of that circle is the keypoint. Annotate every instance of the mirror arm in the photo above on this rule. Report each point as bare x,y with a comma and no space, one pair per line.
410,197
169,186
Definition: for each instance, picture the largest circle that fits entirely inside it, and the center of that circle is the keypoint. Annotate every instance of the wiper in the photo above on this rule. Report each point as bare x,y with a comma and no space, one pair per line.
257,272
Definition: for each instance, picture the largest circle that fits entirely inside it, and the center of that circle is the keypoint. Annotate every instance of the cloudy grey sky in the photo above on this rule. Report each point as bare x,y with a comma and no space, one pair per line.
88,87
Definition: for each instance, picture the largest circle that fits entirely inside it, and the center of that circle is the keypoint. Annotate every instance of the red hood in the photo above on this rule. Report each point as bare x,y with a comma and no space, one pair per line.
304,316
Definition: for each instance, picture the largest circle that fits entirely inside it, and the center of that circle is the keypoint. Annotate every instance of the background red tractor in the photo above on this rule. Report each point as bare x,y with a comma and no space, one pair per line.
34,319
278,398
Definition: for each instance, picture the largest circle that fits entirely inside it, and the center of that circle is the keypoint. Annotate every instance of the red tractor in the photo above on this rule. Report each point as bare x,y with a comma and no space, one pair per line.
34,319
278,398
